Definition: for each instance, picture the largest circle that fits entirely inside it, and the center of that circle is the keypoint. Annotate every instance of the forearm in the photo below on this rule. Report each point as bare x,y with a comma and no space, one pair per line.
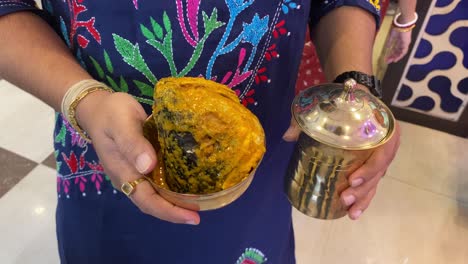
34,58
344,39
407,9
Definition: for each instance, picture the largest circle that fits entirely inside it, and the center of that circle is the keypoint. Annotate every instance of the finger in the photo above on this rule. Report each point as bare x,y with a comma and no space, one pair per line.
401,55
360,206
378,161
114,163
292,134
149,202
127,132
144,197
390,58
354,194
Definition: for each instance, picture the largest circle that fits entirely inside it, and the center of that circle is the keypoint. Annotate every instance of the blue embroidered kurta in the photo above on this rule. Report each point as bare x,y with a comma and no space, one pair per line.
254,47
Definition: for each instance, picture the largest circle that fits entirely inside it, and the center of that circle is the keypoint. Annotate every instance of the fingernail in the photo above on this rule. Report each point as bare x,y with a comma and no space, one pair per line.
191,222
357,214
356,182
143,162
349,200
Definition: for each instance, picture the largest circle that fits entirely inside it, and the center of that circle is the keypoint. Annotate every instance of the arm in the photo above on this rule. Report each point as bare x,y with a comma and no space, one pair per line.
344,39
34,57
398,42
407,9
339,35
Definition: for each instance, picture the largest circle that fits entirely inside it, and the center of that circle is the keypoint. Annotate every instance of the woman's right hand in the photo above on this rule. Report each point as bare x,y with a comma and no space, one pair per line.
114,123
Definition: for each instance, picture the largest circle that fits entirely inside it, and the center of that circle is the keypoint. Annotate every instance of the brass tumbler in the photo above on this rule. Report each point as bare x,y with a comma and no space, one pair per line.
341,127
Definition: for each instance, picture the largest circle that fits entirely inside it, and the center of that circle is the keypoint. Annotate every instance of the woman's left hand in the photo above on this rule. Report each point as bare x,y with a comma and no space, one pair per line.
363,182
397,45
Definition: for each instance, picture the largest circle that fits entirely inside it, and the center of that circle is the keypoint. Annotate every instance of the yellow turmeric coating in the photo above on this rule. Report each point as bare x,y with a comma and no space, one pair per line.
209,140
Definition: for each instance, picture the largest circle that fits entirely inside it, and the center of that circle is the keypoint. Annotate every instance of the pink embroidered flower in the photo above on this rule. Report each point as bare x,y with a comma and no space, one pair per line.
81,182
238,77
96,177
66,186
192,7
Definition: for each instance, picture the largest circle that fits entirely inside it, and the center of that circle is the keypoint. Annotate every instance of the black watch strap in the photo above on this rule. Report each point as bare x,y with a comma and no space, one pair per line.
369,81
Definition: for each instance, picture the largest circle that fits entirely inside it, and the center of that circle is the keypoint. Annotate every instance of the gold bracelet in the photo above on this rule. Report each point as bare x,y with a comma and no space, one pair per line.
74,96
407,29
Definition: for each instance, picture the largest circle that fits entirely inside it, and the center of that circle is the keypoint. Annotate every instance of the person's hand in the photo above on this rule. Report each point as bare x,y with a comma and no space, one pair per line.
114,123
397,45
363,182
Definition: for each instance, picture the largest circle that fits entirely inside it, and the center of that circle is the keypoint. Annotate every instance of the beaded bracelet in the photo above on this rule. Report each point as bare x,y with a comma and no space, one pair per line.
73,97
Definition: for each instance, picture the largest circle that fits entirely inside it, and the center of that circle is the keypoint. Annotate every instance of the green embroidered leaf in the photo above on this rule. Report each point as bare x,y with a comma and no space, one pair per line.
132,55
167,43
145,89
109,66
113,84
98,67
123,46
144,100
167,22
211,23
146,32
123,85
60,137
157,28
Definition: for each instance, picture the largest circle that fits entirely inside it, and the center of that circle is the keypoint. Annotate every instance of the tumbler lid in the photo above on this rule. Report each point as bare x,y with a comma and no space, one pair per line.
343,116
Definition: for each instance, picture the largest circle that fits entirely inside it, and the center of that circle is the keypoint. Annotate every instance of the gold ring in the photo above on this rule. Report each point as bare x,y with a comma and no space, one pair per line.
129,187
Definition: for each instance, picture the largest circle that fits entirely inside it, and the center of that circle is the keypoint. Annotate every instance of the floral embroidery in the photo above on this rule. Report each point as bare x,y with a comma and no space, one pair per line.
252,256
165,47
287,5
78,165
76,8
121,85
192,13
132,56
256,46
135,4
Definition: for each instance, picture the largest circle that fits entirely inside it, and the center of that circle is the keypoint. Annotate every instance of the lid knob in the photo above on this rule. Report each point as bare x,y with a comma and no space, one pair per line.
350,86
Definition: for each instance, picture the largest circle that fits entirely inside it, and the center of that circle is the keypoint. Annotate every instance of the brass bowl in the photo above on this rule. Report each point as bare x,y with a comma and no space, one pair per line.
196,202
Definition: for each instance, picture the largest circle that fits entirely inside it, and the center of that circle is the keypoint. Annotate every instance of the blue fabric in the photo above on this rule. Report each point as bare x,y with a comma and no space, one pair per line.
254,47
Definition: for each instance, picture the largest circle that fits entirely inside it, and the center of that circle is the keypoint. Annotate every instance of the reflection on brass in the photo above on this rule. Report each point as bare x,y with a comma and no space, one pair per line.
318,175
341,127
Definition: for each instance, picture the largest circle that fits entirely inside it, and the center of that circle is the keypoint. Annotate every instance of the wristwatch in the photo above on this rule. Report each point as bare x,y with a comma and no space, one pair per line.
369,81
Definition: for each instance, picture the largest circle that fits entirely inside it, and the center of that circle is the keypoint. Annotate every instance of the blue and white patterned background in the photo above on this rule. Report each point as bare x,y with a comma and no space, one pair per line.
435,80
